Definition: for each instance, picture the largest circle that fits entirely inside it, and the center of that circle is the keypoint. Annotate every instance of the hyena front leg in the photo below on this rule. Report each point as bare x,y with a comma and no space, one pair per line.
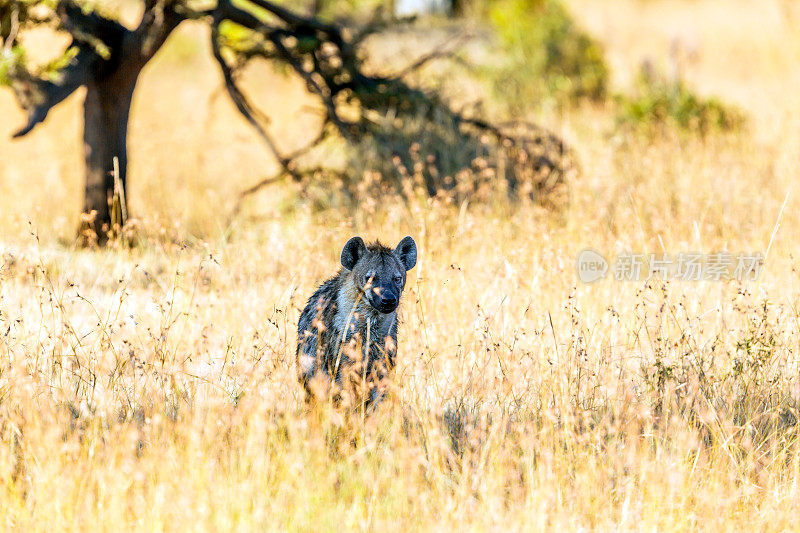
382,359
307,364
311,350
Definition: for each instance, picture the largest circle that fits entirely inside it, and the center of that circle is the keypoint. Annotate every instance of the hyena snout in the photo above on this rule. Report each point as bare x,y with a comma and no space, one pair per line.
385,299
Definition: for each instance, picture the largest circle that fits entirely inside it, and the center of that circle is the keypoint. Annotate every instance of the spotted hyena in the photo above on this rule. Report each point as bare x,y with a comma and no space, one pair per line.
347,333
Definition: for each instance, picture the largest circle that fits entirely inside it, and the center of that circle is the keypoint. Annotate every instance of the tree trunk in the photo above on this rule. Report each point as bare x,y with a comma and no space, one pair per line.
106,111
108,61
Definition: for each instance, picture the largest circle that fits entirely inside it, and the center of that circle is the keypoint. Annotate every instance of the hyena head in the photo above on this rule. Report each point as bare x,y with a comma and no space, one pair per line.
380,272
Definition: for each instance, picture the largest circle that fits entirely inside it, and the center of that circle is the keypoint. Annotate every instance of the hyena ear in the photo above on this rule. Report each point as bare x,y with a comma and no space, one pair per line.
353,250
407,252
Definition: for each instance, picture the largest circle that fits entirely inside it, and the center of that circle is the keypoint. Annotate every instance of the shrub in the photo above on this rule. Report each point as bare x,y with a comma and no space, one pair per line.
549,56
426,150
658,101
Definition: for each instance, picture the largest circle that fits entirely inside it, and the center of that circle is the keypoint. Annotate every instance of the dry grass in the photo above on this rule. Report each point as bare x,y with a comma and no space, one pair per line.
154,388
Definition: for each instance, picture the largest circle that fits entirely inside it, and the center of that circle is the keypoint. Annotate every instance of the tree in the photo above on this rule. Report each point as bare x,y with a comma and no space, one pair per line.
107,58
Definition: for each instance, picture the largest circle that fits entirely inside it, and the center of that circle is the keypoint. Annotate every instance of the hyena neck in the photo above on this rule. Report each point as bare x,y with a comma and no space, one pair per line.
355,315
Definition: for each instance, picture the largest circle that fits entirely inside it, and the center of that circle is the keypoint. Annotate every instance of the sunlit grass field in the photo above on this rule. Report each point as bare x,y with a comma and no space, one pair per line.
154,387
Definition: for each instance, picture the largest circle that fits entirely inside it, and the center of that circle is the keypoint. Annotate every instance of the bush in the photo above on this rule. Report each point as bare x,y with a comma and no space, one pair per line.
658,102
423,149
549,57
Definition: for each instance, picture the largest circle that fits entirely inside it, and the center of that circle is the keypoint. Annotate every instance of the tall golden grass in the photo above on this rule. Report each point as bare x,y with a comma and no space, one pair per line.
154,387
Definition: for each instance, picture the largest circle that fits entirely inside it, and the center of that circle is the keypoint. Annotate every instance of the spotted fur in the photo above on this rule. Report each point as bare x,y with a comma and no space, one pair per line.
348,328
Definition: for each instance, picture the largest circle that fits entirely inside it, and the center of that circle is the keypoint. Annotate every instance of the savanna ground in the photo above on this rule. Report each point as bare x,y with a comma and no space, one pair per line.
154,387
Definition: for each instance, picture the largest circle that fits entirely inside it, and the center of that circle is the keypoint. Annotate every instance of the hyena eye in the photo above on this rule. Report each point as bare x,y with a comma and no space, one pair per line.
398,279
369,277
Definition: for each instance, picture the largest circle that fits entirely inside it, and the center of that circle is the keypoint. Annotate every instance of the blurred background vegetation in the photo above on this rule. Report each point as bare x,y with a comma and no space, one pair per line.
506,61
547,59
526,58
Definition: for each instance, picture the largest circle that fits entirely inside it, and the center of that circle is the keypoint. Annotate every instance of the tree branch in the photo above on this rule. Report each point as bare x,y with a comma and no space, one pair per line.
160,18
445,50
241,102
299,22
331,68
102,44
38,96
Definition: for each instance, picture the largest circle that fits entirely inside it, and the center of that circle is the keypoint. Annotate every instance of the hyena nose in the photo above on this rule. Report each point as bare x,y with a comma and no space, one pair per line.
388,300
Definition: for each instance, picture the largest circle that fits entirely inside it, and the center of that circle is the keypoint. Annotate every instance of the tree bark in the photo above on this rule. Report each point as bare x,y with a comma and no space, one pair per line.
106,112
